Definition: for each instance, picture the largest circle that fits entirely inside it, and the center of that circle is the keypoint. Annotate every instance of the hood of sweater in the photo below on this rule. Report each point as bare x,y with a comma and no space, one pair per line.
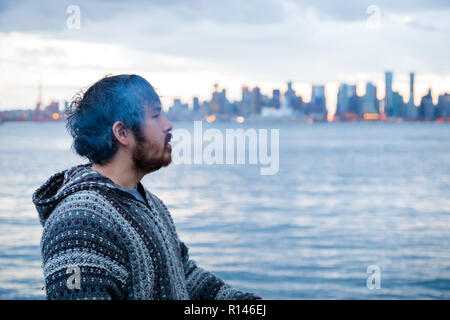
67,182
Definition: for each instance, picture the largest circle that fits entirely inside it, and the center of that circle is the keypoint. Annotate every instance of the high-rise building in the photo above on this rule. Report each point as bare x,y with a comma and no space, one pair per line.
369,99
214,105
388,93
275,99
224,104
37,110
345,92
245,94
411,88
219,102
317,109
178,111
318,94
256,101
444,105
292,100
245,101
427,107
53,107
177,104
195,104
396,105
411,109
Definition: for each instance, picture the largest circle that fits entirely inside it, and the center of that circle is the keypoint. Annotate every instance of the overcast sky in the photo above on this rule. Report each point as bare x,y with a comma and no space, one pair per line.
184,47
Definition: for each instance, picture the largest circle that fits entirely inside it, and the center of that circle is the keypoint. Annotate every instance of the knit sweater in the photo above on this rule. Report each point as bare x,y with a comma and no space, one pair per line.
120,247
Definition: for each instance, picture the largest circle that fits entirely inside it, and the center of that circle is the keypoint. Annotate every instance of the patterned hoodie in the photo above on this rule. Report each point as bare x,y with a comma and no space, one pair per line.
99,242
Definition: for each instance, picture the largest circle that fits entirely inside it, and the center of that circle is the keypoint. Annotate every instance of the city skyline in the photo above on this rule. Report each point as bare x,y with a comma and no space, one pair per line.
304,89
351,105
359,87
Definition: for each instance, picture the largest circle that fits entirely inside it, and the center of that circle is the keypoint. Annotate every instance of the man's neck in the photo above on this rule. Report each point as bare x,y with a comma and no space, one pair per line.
121,174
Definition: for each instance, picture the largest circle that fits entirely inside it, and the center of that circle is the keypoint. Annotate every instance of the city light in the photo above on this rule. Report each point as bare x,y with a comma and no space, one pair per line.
211,118
371,116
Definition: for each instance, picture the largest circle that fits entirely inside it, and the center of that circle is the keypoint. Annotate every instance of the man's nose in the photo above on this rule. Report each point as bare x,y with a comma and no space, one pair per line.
167,125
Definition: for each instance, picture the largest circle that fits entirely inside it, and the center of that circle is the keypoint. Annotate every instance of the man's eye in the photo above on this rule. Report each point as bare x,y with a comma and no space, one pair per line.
156,116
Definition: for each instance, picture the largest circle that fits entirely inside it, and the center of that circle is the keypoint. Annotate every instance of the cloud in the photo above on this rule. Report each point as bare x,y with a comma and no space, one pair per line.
36,16
356,10
231,42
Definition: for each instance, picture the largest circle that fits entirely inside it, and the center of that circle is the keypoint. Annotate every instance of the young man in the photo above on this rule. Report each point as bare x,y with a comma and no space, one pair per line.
105,236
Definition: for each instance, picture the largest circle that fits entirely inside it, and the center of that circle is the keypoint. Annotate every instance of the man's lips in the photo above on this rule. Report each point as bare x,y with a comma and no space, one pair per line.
168,138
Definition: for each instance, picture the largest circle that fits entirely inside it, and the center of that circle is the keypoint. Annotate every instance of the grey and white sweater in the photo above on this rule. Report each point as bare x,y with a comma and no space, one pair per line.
120,247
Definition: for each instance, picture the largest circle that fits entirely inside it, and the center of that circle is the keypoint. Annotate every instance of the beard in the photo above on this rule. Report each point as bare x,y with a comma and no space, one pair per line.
149,156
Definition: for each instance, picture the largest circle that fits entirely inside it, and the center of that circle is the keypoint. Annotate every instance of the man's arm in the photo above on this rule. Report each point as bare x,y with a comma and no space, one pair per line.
204,285
82,258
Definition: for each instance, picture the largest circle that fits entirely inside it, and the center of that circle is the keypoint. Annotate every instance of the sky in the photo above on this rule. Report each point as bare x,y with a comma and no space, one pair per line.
184,47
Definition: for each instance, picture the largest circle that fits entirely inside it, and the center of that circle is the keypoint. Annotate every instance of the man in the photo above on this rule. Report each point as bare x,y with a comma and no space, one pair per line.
105,236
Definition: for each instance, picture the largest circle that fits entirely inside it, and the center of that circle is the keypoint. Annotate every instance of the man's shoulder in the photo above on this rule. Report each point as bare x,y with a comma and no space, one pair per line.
83,196
81,203
85,212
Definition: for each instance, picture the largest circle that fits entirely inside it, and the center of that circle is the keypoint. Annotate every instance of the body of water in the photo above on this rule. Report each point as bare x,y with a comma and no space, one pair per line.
347,196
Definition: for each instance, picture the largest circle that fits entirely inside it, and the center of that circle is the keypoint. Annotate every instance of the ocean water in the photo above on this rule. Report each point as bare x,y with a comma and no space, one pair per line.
347,196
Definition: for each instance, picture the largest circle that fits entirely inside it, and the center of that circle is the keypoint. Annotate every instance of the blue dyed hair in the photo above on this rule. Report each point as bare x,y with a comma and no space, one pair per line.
91,115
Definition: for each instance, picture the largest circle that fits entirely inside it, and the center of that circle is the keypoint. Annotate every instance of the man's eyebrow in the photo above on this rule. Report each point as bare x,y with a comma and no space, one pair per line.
154,110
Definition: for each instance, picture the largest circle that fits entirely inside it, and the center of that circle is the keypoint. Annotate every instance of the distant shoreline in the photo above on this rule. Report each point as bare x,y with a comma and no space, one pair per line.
305,121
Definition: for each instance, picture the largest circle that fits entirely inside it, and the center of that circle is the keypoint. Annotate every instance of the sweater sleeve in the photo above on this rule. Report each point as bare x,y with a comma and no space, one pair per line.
82,257
204,285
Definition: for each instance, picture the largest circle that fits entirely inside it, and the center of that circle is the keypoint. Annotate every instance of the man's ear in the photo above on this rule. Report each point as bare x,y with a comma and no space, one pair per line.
121,133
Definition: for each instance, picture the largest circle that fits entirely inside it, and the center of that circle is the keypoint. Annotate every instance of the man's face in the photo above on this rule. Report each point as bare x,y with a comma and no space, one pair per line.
153,151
